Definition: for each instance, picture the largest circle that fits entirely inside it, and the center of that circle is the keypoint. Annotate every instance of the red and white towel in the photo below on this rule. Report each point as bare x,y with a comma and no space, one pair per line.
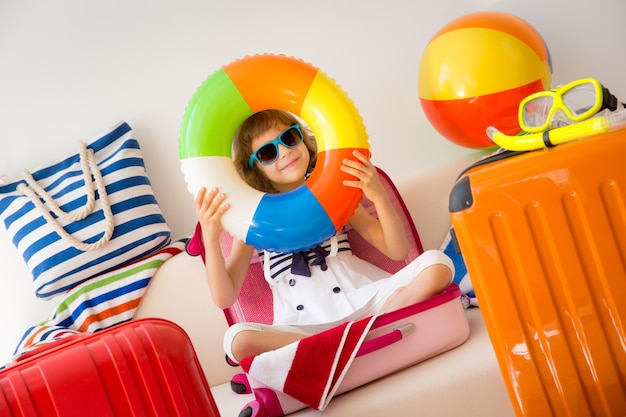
311,369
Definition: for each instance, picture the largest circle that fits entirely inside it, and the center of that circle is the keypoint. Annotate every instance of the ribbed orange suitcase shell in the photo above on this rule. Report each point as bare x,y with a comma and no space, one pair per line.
145,367
544,238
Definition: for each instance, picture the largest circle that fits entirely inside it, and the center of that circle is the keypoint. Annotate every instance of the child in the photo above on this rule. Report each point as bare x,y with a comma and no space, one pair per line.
274,154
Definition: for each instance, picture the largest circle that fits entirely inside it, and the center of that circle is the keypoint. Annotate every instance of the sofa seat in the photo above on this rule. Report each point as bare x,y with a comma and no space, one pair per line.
464,381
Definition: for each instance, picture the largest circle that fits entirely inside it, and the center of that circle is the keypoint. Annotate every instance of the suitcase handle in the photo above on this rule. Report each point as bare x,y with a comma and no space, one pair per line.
395,335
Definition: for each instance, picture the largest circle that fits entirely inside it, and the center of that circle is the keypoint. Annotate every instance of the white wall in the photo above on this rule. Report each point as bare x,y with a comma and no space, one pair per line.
69,69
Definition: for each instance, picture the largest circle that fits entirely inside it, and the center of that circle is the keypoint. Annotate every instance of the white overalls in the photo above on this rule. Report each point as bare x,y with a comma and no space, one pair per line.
348,289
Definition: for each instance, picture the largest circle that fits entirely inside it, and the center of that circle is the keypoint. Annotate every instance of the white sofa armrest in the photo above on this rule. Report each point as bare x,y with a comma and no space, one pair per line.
179,292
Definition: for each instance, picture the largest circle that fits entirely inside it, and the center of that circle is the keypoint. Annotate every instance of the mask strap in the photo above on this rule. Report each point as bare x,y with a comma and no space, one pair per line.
609,101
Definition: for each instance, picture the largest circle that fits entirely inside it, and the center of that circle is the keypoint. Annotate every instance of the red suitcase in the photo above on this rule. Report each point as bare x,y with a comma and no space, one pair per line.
543,234
145,367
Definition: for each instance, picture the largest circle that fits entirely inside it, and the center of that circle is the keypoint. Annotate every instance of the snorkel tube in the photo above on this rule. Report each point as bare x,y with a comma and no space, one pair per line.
527,142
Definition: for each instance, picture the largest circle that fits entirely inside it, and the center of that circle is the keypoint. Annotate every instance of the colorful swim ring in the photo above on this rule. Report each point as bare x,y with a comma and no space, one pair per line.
288,222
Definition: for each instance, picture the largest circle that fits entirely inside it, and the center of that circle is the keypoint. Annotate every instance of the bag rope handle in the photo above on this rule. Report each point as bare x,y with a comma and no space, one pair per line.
36,193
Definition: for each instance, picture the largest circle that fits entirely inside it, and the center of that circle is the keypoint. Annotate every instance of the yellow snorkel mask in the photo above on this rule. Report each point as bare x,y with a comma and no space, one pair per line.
576,110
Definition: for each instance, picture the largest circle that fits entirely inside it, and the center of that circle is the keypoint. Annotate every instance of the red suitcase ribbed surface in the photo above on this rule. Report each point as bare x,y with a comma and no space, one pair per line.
145,367
544,238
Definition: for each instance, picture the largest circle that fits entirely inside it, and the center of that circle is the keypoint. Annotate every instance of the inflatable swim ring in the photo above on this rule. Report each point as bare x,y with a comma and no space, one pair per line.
288,222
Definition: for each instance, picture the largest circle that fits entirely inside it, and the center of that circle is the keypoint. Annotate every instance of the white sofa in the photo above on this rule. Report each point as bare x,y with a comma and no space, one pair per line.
465,381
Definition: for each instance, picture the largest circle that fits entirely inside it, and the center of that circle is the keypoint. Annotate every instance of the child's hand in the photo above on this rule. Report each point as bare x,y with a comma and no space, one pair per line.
367,175
210,207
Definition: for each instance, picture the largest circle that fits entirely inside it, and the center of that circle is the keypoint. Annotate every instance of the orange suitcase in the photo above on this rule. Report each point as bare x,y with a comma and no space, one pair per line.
543,234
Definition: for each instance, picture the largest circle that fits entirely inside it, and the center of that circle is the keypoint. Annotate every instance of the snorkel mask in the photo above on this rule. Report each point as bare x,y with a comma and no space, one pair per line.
579,109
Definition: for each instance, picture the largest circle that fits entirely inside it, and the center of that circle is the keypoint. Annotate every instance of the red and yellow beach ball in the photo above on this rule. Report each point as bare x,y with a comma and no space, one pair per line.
475,71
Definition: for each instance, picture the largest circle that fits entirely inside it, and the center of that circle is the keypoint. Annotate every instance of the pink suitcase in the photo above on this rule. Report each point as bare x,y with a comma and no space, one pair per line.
396,340
145,367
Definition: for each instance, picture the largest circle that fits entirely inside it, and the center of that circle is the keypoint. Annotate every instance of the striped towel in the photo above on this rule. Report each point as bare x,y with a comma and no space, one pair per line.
98,303
312,369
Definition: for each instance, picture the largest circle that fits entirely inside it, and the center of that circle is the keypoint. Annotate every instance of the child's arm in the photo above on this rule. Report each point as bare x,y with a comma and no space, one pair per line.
387,233
225,278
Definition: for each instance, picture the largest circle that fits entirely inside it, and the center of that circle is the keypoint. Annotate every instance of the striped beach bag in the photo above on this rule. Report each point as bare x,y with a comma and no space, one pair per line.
85,214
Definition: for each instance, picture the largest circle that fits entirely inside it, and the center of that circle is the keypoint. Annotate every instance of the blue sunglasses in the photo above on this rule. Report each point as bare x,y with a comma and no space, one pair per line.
267,153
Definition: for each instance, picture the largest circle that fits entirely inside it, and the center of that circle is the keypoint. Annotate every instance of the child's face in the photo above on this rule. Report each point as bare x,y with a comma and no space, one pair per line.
289,169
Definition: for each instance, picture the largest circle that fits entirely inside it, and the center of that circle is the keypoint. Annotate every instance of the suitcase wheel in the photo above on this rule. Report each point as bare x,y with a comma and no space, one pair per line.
240,385
253,409
268,403
230,362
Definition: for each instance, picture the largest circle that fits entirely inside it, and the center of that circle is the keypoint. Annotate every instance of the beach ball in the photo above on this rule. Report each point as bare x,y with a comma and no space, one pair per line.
475,71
